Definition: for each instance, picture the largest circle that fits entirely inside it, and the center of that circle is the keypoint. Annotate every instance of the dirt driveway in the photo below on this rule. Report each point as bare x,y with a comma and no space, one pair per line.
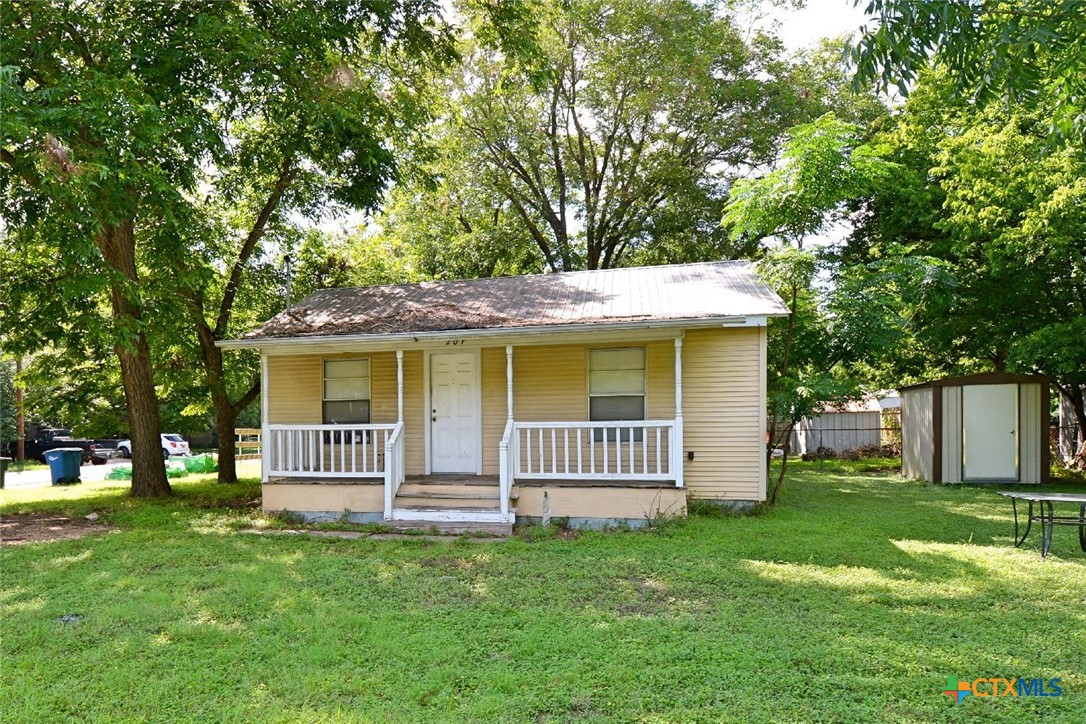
44,528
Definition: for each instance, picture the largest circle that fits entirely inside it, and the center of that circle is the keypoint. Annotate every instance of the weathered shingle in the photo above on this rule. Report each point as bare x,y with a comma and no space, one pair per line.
672,293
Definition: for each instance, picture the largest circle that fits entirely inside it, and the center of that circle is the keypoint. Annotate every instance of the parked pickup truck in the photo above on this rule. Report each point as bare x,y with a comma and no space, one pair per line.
43,439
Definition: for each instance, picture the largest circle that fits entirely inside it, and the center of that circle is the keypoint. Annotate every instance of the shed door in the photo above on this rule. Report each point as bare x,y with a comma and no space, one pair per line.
990,432
455,419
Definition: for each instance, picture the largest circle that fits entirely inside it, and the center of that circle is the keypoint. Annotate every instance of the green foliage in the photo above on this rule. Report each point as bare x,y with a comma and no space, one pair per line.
148,152
619,150
986,217
803,372
7,403
823,165
993,50
853,578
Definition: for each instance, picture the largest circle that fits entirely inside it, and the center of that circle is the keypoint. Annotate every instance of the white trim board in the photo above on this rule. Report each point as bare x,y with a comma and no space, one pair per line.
494,336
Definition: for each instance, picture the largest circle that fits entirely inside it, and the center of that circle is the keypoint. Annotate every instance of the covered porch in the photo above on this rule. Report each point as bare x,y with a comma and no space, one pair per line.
529,456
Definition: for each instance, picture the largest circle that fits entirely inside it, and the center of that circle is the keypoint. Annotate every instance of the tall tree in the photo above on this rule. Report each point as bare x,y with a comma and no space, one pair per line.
985,216
823,166
1013,49
117,117
621,147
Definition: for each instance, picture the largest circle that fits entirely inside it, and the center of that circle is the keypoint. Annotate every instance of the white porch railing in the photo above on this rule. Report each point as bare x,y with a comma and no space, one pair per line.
328,451
617,450
394,470
506,468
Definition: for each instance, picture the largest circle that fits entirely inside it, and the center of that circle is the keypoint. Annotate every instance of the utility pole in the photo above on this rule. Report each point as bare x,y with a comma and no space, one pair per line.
286,258
20,420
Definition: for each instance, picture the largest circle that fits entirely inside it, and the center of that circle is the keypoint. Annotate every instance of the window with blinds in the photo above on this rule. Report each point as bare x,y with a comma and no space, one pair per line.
346,391
616,385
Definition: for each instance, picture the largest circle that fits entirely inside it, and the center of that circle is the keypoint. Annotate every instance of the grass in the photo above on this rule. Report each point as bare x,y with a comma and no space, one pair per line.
18,466
853,600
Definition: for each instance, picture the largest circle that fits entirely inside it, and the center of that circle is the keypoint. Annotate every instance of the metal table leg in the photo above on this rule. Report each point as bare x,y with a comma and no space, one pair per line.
1046,529
1029,522
1082,527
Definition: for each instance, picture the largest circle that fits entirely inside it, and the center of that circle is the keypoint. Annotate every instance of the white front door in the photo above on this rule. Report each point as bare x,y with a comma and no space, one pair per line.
990,432
455,424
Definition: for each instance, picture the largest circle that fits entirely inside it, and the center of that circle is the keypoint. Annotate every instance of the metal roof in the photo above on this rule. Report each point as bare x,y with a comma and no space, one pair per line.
659,293
981,378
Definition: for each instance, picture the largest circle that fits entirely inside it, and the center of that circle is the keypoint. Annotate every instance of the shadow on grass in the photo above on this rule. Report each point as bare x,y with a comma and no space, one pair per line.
853,600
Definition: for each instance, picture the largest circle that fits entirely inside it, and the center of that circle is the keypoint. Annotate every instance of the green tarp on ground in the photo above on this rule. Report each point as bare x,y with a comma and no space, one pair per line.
120,472
175,467
201,464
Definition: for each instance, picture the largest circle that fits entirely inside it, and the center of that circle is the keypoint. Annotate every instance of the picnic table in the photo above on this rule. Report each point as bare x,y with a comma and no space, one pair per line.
1046,517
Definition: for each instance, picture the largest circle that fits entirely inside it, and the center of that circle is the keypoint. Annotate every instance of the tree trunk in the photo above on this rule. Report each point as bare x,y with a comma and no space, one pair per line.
1078,404
117,244
226,412
225,418
786,447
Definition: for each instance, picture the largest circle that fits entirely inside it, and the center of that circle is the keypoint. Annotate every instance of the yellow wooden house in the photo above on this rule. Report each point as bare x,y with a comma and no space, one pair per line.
602,397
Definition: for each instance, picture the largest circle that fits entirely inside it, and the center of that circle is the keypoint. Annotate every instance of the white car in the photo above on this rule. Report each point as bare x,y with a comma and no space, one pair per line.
172,444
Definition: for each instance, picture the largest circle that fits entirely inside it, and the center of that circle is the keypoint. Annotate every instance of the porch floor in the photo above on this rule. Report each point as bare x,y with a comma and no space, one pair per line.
477,480
451,479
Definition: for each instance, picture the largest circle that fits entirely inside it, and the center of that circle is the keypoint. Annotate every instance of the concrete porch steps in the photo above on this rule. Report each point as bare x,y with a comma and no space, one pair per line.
451,528
448,499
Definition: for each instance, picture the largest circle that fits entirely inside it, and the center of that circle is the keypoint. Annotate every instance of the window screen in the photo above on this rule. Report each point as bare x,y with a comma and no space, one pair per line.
616,387
346,391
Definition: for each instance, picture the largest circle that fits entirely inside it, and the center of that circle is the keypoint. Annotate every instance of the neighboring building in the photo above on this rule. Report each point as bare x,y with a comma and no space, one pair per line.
602,396
990,427
852,426
1066,431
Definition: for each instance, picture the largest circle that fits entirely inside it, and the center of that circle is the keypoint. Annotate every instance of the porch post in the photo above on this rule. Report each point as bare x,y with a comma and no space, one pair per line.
509,381
399,386
677,452
265,440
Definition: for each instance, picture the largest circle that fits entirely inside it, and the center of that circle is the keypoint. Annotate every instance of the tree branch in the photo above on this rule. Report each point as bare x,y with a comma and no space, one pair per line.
287,173
246,399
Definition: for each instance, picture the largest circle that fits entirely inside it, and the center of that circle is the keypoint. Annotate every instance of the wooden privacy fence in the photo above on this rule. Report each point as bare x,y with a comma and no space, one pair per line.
247,443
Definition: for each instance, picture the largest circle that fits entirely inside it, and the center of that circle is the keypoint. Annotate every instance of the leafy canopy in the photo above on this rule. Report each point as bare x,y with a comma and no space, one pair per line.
994,49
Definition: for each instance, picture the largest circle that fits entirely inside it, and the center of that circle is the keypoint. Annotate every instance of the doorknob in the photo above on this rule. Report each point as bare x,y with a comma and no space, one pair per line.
433,419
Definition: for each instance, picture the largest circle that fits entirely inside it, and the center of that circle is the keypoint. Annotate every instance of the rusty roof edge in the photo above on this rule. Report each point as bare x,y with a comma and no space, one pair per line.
731,320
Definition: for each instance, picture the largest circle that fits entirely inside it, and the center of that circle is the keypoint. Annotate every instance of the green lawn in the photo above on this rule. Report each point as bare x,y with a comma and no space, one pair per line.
854,600
18,466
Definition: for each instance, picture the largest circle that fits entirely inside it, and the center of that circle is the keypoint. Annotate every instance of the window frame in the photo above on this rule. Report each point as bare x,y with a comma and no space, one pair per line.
368,390
644,394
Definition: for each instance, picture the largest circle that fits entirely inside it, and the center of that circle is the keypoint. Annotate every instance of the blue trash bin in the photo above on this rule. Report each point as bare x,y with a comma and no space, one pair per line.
64,464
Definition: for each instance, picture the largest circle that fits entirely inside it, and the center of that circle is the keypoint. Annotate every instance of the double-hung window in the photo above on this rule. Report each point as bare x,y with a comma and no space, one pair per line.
616,386
346,391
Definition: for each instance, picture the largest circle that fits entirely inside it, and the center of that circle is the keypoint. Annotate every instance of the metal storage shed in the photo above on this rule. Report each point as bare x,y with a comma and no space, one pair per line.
990,427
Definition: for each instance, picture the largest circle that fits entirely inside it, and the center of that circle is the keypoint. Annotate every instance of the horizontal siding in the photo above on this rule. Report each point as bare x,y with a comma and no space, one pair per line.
550,383
294,395
723,406
294,390
723,399
494,406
